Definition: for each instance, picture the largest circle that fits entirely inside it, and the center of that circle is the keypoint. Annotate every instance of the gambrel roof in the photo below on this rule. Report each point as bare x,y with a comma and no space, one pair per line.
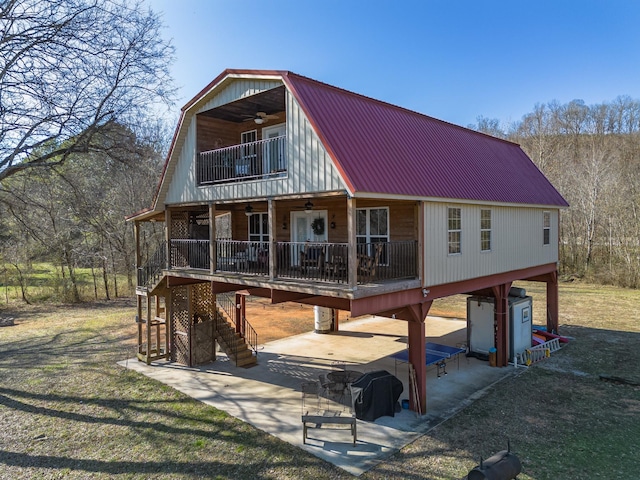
383,149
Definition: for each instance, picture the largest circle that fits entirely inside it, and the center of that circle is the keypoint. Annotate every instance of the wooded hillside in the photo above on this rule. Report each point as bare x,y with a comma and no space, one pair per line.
591,153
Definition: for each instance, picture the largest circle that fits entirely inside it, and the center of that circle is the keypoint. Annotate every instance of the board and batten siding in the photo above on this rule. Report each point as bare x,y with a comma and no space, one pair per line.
310,168
516,242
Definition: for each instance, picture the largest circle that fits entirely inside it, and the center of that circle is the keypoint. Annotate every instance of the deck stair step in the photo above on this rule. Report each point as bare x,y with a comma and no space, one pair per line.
235,346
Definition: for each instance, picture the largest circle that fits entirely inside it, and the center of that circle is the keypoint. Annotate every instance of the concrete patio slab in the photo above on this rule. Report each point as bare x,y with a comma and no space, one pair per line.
268,395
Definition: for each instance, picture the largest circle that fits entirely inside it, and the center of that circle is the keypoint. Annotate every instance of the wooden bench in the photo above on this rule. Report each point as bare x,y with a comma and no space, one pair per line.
316,420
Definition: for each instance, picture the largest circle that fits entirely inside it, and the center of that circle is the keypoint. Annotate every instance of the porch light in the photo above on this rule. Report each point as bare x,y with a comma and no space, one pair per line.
248,210
308,207
259,120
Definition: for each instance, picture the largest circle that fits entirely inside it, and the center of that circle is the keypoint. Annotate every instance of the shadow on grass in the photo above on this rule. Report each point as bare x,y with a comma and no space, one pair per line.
206,469
8,399
80,343
24,460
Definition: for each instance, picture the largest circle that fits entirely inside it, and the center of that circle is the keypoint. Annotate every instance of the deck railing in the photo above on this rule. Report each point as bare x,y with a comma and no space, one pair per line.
317,261
249,258
262,159
308,261
190,254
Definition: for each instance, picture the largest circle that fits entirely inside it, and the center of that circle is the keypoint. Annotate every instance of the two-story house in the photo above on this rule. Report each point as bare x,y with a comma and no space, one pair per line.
333,199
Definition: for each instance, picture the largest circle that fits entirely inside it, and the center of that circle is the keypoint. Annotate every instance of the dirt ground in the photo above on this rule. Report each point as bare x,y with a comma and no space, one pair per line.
273,322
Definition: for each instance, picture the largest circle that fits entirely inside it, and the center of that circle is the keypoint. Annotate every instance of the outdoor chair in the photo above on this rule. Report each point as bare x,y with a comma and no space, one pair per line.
367,264
312,258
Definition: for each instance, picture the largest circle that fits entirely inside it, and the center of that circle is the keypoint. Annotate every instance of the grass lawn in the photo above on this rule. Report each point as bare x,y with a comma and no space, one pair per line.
68,411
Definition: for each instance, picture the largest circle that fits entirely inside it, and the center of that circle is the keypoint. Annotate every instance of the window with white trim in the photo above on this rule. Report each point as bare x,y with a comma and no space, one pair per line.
485,230
372,226
454,230
259,227
546,228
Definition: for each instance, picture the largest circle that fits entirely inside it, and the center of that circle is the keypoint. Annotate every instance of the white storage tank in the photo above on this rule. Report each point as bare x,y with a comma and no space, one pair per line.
481,326
324,319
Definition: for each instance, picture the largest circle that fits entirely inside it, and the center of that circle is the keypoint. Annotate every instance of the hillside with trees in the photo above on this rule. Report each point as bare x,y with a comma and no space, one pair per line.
591,153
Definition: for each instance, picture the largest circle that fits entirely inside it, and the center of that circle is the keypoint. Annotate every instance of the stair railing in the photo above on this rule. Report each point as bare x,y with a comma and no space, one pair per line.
151,272
227,327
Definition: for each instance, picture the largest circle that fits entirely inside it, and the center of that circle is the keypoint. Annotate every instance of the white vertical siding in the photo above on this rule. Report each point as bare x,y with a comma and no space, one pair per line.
516,242
310,168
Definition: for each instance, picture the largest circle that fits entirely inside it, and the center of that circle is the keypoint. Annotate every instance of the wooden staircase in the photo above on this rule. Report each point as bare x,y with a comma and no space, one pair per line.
238,341
234,344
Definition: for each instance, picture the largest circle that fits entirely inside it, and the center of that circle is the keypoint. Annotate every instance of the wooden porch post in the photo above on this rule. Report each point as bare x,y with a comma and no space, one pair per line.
418,353
418,358
190,334
240,312
501,294
552,303
167,237
271,208
169,324
352,265
212,239
148,332
136,234
420,235
139,321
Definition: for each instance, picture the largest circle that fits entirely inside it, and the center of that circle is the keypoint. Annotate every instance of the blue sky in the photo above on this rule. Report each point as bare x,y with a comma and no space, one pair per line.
453,60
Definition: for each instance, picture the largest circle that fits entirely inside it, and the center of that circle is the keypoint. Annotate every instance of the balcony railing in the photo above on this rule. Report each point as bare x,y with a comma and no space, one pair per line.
253,160
307,261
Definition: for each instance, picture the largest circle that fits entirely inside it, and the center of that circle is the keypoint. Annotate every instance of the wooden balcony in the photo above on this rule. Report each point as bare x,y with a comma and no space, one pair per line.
306,262
249,161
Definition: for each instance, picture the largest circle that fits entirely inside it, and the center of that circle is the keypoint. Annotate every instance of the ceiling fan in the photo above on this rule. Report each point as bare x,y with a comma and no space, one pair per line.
308,207
261,117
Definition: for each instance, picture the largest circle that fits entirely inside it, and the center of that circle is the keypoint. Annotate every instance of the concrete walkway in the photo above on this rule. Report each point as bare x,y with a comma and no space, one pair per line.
268,395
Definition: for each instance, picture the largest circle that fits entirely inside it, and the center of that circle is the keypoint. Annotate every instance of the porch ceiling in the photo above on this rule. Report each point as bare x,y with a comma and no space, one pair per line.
269,101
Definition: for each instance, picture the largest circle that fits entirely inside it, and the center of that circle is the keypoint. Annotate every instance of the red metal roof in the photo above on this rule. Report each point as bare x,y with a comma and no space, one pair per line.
382,148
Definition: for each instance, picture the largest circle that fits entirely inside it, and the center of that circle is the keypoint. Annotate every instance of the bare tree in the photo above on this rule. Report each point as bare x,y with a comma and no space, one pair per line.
490,126
71,68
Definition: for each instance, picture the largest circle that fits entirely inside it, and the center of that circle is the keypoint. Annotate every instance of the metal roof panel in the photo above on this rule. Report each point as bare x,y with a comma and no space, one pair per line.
387,149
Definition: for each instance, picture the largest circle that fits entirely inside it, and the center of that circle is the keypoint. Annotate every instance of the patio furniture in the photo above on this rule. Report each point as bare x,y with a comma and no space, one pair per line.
315,414
336,268
368,264
312,257
339,385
